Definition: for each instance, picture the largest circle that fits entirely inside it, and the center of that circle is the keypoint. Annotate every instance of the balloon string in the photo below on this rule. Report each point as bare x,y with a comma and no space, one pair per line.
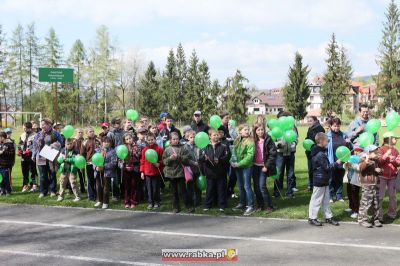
280,194
162,178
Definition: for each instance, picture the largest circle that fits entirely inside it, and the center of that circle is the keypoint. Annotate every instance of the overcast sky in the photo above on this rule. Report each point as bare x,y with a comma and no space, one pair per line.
258,37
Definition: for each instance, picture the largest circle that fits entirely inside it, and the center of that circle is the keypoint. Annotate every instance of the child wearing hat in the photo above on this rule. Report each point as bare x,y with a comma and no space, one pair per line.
389,161
369,170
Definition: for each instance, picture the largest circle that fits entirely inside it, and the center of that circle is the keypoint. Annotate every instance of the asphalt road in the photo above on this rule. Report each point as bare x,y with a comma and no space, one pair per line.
37,235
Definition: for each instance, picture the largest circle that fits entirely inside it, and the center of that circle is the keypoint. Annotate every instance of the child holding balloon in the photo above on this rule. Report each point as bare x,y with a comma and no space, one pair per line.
131,172
174,159
68,169
105,173
151,171
193,190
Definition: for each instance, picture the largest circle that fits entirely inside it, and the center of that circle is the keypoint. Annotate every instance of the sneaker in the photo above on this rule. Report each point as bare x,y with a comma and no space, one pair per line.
77,199
295,189
206,209
234,196
41,195
105,206
98,204
190,210
340,200
133,206
150,206
238,208
52,194
348,210
314,222
34,188
176,210
332,222
156,206
269,210
378,223
354,215
114,199
331,201
249,211
25,188
365,224
60,199
127,206
221,210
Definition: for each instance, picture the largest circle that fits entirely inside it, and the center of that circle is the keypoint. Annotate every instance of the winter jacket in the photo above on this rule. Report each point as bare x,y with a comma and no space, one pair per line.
78,145
116,136
110,161
148,168
270,154
25,146
174,168
199,127
132,161
354,125
194,153
389,164
166,132
322,169
45,138
220,152
244,150
368,174
312,132
7,154
89,147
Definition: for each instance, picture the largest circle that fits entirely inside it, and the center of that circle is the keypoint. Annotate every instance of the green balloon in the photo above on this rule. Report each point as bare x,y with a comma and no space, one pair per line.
272,123
366,139
60,159
392,120
286,122
201,182
289,136
215,121
80,162
1,178
167,144
132,114
232,123
276,176
307,144
272,137
373,126
122,152
343,154
68,131
98,159
201,140
151,156
277,133
291,121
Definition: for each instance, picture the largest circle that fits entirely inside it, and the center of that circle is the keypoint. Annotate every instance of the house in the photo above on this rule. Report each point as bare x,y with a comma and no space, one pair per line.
315,99
265,103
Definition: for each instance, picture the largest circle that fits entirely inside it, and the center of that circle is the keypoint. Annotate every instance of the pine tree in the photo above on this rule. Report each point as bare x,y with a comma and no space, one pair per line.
206,99
149,93
76,59
181,110
331,92
297,91
169,84
345,72
388,60
193,98
236,96
3,84
32,54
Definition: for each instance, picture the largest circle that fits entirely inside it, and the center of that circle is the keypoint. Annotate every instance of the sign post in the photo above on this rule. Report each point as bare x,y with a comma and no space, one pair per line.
54,75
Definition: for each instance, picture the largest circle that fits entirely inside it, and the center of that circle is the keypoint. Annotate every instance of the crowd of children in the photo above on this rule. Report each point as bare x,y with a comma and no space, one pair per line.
246,155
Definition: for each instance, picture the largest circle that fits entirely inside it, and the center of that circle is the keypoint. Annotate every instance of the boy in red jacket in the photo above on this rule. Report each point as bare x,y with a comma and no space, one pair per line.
152,172
389,161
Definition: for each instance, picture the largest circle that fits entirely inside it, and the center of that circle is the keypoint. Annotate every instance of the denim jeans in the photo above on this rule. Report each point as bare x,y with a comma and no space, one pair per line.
48,180
336,183
260,187
285,163
5,185
231,182
244,179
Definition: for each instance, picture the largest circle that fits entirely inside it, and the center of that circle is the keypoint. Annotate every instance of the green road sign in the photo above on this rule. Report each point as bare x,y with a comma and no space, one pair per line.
56,74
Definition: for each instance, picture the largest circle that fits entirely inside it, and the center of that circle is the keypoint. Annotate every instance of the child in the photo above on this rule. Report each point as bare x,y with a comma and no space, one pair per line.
244,149
263,166
322,171
186,129
7,155
353,187
68,170
369,178
105,173
215,159
159,140
142,135
221,136
27,164
193,190
389,162
151,172
131,172
336,139
77,146
174,158
168,129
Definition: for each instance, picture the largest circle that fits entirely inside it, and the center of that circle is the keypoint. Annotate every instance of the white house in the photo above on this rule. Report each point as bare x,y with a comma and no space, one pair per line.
265,104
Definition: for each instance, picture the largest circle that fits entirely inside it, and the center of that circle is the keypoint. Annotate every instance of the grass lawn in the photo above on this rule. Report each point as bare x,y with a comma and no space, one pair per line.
296,208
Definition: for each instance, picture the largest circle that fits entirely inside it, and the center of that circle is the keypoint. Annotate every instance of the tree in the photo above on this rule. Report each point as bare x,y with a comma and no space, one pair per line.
76,59
236,96
3,84
181,109
149,93
32,54
169,84
332,92
345,72
297,91
388,59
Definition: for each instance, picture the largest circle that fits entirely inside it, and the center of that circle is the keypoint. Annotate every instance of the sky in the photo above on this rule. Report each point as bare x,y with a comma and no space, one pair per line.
258,37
